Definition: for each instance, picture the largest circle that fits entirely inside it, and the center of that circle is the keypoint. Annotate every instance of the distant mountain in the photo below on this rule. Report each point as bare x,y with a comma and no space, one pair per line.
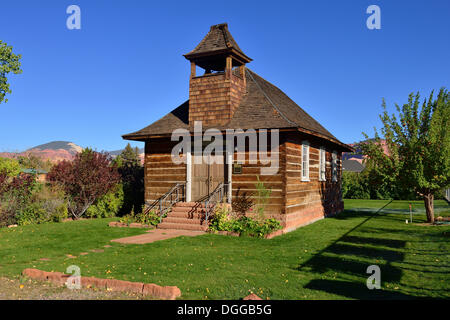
71,147
56,151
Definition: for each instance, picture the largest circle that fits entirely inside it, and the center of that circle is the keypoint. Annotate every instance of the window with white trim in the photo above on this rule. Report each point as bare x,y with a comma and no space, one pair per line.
305,161
334,166
322,162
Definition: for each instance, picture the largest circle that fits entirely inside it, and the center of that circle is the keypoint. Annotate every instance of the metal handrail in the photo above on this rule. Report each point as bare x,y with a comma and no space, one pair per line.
214,198
165,202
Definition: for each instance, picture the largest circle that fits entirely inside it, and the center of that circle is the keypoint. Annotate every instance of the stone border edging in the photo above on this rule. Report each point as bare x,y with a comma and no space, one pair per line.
251,296
150,289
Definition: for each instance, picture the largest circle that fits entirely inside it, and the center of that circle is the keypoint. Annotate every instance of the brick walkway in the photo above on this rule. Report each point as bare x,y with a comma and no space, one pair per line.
157,234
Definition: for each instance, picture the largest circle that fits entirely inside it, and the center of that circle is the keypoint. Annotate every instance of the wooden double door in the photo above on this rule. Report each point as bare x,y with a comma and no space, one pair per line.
206,176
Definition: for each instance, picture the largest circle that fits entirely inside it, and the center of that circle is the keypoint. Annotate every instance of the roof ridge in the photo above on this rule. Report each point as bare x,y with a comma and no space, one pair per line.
225,36
267,97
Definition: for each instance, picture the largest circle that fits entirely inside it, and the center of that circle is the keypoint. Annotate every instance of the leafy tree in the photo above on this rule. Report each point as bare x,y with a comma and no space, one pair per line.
132,173
10,167
15,195
130,156
355,185
30,161
22,184
418,144
85,179
108,205
9,62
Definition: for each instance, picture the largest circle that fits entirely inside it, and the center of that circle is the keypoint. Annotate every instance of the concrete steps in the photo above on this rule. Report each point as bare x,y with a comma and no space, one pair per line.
185,216
182,226
182,220
188,215
188,210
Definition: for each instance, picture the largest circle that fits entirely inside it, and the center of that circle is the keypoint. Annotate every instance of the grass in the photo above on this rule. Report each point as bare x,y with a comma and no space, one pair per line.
324,260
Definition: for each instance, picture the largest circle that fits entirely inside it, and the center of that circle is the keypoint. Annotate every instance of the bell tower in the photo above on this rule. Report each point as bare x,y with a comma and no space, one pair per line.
214,96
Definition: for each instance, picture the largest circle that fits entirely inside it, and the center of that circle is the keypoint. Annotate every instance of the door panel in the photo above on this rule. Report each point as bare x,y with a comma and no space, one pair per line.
205,177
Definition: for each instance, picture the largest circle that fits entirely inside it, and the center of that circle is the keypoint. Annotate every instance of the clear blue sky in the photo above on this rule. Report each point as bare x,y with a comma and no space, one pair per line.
124,69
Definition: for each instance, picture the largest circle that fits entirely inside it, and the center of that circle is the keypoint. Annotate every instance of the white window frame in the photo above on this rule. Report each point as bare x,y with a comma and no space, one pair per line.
334,166
305,170
322,164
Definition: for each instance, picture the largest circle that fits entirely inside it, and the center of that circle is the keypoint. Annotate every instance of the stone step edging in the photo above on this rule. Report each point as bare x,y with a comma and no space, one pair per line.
146,289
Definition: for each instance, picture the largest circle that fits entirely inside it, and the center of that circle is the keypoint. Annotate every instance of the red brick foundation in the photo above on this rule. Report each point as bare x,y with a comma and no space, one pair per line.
295,220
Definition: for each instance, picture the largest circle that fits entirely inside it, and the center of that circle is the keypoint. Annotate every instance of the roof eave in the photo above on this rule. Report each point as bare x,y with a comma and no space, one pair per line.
345,147
241,57
145,137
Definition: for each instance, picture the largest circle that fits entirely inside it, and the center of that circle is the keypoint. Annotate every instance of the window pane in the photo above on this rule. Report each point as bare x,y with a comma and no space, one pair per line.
305,161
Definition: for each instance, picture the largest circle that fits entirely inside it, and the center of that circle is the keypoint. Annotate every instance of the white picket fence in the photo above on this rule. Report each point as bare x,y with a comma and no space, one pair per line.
447,194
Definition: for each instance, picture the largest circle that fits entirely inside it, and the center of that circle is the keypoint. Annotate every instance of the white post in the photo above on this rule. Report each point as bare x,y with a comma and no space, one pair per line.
230,171
188,176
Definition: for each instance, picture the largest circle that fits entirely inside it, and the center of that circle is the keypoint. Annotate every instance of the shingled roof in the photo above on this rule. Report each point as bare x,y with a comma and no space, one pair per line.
264,106
218,39
352,166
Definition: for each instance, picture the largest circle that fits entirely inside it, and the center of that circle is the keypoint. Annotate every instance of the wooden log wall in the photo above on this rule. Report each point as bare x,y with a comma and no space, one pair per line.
324,197
161,173
245,182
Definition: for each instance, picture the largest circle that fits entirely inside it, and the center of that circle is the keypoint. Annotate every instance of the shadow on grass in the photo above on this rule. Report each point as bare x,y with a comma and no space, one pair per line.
349,256
351,214
392,243
341,267
366,252
344,266
404,232
355,290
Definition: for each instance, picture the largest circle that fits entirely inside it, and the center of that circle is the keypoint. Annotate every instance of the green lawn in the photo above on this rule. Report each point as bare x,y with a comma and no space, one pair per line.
325,260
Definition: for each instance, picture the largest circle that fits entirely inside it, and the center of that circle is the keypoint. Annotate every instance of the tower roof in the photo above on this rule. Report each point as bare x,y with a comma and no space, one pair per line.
217,42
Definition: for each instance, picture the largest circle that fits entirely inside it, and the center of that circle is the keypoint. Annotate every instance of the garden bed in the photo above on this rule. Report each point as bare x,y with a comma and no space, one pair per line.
235,234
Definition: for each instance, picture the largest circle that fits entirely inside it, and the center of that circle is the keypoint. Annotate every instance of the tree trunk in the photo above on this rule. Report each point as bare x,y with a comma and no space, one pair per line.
429,207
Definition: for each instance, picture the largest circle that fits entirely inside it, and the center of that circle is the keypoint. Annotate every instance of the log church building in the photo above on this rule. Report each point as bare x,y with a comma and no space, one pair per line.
306,186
